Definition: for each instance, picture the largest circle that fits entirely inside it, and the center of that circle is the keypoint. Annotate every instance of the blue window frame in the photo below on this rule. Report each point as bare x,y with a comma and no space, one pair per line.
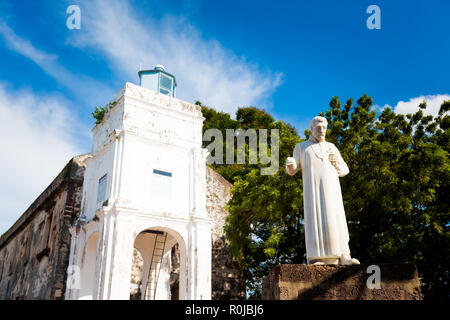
163,173
165,84
101,188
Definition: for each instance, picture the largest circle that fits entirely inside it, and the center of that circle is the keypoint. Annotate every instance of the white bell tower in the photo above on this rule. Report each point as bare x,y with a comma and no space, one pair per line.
144,189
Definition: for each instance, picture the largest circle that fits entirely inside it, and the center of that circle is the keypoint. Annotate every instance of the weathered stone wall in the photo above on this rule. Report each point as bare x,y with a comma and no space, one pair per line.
34,252
227,280
326,282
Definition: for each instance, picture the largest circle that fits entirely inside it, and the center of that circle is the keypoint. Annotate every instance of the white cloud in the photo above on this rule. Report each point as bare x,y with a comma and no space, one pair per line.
86,88
433,104
205,70
38,139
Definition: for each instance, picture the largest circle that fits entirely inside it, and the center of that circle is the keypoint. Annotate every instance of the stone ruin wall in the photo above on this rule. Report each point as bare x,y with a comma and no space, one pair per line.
34,252
227,280
398,281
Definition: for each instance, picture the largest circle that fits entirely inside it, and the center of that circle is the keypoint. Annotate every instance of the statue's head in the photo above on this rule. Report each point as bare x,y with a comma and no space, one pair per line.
318,127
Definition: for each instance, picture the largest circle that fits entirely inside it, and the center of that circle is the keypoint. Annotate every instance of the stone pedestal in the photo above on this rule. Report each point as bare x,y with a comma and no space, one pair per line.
328,282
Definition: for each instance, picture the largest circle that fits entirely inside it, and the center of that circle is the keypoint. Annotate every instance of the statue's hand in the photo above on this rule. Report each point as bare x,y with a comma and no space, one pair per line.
290,163
332,156
291,166
338,163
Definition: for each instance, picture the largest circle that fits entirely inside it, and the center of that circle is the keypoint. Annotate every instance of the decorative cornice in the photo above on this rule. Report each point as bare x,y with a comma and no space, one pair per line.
159,99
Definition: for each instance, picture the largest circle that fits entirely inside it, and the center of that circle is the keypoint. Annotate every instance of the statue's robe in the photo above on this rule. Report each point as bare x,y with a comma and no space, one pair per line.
325,224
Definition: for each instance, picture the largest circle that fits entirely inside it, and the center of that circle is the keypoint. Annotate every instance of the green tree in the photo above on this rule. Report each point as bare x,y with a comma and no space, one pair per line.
395,197
266,209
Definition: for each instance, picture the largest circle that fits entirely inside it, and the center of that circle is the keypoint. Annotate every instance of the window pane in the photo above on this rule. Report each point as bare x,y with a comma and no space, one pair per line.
164,91
101,189
162,186
165,82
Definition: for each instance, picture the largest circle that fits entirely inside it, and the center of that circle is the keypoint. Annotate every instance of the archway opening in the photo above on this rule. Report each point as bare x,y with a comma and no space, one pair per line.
155,271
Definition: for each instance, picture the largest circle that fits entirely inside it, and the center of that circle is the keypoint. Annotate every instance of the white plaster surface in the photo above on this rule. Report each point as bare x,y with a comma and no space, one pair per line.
144,131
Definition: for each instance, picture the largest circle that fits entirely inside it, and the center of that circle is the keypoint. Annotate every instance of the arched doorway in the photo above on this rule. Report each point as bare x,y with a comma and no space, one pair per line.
88,264
155,273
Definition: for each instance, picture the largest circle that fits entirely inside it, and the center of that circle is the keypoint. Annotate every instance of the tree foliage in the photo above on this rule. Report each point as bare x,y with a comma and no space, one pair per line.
395,197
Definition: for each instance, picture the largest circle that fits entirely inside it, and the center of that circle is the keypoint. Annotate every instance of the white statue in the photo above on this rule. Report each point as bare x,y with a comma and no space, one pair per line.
326,230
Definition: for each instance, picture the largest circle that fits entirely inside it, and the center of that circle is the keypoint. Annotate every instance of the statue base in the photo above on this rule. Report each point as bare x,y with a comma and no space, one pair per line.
354,282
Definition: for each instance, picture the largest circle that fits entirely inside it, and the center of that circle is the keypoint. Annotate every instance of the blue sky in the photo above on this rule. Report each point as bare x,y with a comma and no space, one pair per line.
287,57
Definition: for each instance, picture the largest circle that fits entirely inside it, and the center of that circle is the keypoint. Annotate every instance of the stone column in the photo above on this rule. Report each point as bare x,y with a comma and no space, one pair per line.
121,259
199,228
104,252
198,182
203,257
74,244
199,259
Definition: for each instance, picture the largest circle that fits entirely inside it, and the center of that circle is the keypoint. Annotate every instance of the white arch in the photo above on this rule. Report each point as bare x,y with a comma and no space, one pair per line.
173,238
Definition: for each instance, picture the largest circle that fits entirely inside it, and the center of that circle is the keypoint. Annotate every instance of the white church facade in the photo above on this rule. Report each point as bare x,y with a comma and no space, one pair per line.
143,188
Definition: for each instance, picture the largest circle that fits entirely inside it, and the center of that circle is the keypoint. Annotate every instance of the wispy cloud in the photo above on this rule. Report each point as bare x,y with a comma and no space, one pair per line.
205,70
85,87
379,108
40,136
412,105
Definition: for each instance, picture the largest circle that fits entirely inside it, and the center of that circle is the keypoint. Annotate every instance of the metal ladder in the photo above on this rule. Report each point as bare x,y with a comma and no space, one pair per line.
155,262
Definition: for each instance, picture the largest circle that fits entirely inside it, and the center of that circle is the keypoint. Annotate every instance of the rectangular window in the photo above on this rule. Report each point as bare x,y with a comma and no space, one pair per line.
165,84
162,185
101,189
